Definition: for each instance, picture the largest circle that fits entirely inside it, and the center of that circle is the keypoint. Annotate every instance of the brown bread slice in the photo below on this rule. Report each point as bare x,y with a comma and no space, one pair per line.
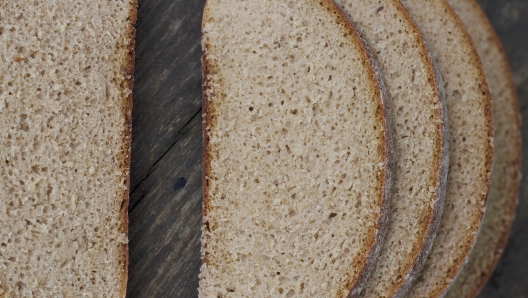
471,143
506,174
65,112
417,103
297,160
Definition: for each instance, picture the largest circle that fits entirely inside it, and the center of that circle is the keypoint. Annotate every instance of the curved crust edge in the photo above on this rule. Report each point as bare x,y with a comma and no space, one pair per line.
443,169
387,180
444,286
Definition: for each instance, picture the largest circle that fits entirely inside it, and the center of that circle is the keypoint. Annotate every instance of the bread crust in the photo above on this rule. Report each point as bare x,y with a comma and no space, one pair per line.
128,69
441,163
450,16
355,284
420,256
484,88
386,182
512,198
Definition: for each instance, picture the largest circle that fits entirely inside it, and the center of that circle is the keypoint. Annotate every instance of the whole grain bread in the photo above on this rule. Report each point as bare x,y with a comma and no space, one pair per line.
471,143
297,159
65,112
506,174
417,102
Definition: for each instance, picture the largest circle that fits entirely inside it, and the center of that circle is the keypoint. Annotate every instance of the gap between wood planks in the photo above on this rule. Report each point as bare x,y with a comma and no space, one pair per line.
180,135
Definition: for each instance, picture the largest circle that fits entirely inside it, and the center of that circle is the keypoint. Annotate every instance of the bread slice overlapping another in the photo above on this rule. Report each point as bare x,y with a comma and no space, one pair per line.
506,174
65,111
298,153
416,99
471,143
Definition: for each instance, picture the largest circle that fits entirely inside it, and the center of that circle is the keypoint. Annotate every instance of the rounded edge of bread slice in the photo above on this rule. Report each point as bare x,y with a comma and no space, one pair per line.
377,245
353,286
471,145
506,174
427,95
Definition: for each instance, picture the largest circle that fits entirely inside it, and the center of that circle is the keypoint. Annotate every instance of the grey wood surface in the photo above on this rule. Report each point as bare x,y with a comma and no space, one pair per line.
165,200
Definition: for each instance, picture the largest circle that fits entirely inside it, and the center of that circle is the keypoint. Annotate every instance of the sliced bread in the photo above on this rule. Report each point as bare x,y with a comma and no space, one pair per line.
297,158
471,143
417,103
506,174
65,112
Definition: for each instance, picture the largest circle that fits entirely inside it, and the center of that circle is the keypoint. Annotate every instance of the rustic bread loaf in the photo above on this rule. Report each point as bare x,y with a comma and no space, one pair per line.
417,103
297,160
471,143
65,99
506,174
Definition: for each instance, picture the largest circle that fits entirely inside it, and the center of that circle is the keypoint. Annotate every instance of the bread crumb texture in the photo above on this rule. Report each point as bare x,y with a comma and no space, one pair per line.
506,173
471,143
64,90
296,151
415,102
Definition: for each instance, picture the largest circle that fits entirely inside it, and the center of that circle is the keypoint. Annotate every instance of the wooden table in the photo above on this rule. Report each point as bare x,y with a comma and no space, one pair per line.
165,200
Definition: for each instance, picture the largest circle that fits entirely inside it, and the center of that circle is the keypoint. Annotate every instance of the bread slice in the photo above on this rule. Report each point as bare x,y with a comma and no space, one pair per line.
65,111
420,138
297,160
506,174
471,143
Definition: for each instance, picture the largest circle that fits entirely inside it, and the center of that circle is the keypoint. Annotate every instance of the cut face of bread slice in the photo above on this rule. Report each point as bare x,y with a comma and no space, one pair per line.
65,112
471,143
417,103
297,161
506,174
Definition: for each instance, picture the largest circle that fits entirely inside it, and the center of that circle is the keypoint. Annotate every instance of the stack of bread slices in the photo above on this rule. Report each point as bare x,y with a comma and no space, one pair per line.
355,148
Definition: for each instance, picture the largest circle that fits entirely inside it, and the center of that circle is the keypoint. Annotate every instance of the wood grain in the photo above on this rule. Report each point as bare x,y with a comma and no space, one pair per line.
165,202
165,224
167,79
165,213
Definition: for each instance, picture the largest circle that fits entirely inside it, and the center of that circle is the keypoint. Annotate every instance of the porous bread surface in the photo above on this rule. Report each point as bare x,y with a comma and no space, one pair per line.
65,98
296,161
506,174
471,143
420,140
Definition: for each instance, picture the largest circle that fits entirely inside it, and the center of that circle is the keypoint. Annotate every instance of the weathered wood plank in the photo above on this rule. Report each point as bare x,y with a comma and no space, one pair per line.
165,225
167,78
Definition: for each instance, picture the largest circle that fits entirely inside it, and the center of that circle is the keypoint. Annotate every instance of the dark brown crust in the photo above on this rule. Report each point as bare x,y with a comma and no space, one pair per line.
128,72
355,285
206,155
451,17
513,199
206,158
